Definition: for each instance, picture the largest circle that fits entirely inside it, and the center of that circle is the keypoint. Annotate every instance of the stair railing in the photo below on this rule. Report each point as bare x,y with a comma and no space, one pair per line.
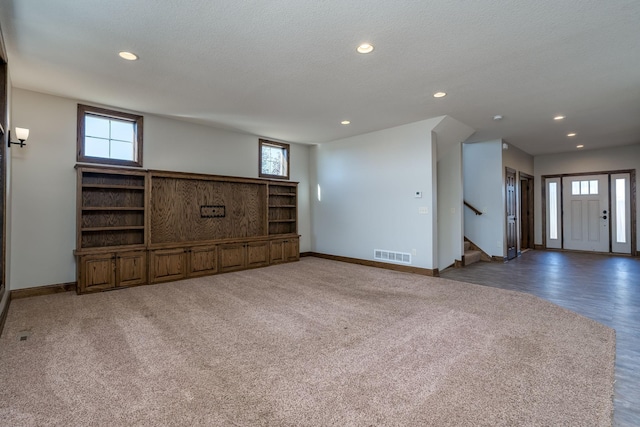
473,208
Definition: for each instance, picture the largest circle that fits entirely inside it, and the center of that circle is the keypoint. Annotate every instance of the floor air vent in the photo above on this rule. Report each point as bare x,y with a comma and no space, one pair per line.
390,256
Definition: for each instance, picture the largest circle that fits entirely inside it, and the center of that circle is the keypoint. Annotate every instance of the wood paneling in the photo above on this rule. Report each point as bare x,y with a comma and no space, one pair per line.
176,202
110,238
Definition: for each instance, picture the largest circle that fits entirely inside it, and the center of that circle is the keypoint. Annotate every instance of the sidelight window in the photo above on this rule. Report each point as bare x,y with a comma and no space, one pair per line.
620,226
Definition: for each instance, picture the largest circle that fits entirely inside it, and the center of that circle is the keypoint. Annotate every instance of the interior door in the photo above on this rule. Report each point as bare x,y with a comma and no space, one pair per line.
586,213
526,211
512,238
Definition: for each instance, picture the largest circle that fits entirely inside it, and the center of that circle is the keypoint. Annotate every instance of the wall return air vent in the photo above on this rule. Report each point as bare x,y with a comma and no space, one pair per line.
391,256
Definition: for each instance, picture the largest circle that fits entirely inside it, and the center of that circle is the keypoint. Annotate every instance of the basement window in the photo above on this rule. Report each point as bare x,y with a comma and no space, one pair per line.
109,137
274,159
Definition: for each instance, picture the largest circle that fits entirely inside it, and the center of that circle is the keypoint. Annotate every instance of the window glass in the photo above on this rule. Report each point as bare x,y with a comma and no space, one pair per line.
621,231
584,187
274,159
110,137
575,188
553,210
122,131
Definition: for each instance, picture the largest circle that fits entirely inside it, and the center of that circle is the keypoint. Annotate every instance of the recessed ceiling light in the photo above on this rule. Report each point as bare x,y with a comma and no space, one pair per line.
559,118
365,48
128,56
345,122
571,134
439,94
580,146
497,117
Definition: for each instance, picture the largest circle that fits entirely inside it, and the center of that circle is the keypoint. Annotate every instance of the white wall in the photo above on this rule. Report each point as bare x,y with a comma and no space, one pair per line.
580,161
43,201
449,134
368,183
450,213
515,158
483,188
521,162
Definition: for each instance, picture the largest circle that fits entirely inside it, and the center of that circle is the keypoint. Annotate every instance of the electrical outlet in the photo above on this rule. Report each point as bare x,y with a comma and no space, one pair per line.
413,252
423,210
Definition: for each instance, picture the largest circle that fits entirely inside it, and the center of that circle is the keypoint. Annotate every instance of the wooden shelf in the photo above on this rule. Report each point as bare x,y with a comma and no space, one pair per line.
114,187
126,232
111,208
117,228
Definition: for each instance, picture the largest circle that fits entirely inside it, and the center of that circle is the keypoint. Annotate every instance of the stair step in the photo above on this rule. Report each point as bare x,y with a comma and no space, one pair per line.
467,245
471,257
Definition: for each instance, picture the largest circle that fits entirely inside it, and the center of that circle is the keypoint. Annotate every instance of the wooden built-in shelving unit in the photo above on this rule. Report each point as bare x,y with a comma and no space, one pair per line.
283,205
140,226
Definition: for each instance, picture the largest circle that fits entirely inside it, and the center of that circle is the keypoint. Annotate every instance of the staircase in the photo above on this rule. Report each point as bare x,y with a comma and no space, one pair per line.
471,255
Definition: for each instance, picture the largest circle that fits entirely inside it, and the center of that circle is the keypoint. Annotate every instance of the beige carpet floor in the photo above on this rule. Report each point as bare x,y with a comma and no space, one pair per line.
314,343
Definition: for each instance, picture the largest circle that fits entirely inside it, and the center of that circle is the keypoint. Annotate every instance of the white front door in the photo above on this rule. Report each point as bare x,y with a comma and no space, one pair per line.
586,213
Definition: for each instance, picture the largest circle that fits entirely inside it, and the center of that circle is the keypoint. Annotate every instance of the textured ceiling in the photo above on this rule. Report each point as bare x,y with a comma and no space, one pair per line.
288,70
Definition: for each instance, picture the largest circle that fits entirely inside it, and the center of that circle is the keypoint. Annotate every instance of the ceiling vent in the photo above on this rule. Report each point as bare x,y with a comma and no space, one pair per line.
391,256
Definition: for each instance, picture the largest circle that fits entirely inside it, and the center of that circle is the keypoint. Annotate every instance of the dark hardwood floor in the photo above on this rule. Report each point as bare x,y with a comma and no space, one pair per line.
603,288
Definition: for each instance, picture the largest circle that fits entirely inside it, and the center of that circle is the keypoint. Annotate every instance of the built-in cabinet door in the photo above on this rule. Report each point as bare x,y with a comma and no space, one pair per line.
232,257
257,254
167,264
292,249
276,251
203,261
238,256
284,250
97,272
131,268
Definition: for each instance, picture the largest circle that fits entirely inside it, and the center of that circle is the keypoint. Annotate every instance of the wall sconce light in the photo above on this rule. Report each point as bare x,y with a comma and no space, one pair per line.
22,134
